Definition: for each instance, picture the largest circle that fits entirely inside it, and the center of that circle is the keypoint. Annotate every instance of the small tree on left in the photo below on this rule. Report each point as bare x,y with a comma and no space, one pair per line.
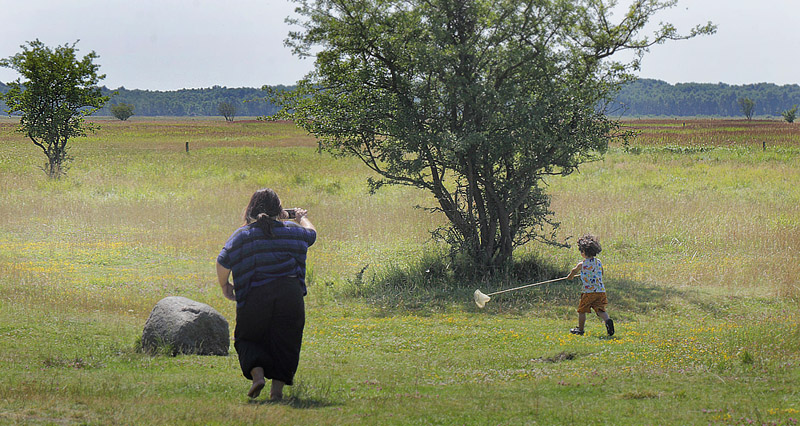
54,94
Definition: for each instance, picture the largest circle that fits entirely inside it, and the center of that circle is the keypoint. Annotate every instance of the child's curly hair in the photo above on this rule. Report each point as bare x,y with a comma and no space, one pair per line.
589,245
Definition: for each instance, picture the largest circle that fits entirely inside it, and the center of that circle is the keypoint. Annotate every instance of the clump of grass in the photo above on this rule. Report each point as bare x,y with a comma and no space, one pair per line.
310,393
559,357
159,347
641,394
58,362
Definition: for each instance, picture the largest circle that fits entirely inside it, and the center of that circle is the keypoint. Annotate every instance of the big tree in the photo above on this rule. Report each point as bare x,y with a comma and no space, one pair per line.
56,91
476,101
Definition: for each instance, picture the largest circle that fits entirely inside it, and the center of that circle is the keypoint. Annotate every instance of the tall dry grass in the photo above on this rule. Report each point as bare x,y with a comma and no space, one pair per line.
716,132
138,218
724,219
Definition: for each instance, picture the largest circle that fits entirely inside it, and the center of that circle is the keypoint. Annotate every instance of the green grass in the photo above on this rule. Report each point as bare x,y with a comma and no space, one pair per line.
698,248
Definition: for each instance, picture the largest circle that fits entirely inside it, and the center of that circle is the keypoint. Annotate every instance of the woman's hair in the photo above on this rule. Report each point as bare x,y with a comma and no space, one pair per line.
264,207
589,245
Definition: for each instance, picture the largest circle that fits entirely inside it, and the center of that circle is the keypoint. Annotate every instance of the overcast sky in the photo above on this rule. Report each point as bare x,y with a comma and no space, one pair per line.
174,44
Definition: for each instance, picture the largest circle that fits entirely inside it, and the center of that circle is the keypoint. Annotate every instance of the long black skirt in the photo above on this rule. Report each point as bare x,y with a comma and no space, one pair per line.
269,329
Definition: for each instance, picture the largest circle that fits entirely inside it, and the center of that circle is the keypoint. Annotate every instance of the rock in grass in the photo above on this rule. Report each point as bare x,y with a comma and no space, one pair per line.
180,325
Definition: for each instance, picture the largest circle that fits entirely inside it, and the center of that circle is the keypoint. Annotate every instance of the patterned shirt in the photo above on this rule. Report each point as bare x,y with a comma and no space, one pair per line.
592,276
255,259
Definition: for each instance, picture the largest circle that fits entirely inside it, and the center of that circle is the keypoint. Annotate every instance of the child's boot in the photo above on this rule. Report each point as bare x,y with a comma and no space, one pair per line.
610,327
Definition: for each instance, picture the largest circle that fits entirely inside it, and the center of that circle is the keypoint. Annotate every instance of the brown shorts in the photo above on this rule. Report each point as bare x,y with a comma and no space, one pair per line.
589,301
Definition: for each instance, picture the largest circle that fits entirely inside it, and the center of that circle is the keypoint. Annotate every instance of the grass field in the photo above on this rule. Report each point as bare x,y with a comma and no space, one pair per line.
700,227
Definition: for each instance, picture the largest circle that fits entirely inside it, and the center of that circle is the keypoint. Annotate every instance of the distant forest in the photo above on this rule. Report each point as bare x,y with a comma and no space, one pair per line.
192,102
646,97
186,102
643,97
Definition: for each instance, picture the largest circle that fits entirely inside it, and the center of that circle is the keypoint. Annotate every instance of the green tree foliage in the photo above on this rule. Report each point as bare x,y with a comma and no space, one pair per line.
122,111
56,91
790,114
475,101
227,110
747,106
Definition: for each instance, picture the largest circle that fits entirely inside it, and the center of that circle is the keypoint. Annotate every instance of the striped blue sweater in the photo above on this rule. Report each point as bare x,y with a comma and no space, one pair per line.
255,259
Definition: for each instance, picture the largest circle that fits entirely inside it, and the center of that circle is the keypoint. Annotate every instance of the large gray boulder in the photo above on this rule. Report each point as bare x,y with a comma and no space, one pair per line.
184,326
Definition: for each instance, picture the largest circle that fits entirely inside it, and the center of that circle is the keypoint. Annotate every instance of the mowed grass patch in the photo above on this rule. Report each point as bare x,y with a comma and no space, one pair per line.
695,254
359,367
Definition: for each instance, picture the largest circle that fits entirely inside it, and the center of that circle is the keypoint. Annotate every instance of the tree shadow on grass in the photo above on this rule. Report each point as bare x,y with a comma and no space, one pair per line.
625,297
428,288
561,298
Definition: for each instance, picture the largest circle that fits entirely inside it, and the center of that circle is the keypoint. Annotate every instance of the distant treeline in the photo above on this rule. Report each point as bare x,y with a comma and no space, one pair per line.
187,102
658,98
192,102
643,97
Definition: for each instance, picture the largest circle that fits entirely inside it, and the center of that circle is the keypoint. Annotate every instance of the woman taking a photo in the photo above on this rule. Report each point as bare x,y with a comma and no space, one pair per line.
267,258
